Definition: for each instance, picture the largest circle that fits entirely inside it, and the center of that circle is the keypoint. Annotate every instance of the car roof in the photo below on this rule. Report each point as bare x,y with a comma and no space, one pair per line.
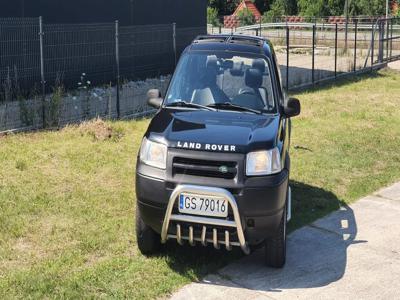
235,43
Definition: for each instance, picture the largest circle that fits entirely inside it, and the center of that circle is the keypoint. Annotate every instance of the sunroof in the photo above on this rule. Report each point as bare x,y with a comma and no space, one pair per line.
207,38
245,40
229,39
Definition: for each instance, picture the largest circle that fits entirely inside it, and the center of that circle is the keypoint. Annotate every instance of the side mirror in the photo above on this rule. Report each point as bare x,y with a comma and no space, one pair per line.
292,107
154,98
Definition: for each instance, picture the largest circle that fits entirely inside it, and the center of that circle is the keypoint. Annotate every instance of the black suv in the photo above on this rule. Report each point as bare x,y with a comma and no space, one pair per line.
214,164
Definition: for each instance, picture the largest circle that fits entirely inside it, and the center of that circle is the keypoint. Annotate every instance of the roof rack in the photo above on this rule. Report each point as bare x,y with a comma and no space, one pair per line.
231,39
211,38
246,40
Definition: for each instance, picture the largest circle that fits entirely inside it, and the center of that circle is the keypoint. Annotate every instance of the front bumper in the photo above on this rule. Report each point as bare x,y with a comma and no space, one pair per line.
203,222
260,201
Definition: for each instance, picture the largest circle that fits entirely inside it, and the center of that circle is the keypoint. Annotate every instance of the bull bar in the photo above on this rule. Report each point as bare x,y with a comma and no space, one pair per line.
205,221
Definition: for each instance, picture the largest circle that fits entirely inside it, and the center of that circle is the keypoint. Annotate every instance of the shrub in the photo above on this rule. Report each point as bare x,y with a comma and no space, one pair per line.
54,106
396,7
246,17
212,17
277,10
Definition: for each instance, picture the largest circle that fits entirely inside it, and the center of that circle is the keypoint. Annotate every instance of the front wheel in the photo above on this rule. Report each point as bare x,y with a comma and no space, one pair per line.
275,247
147,239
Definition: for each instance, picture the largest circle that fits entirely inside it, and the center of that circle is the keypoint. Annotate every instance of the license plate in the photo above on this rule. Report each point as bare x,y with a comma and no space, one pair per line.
203,205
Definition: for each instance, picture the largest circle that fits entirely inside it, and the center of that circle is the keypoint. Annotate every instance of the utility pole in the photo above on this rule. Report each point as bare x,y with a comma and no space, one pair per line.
387,9
346,11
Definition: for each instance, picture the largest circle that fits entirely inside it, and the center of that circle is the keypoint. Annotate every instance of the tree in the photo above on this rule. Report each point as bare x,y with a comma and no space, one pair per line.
262,5
367,7
397,7
278,9
246,17
313,8
336,7
224,7
316,8
291,7
321,8
212,17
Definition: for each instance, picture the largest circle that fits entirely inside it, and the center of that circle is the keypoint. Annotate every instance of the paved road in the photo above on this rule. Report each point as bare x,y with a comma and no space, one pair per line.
353,253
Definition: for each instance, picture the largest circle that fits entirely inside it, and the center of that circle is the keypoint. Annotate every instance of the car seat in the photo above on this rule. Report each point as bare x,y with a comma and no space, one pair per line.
210,92
250,96
259,64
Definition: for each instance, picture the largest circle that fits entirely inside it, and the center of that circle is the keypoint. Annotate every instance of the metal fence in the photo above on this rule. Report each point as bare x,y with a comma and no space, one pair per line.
53,74
313,52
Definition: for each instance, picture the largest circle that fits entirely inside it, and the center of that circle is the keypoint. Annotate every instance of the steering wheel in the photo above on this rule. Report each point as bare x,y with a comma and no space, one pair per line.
246,91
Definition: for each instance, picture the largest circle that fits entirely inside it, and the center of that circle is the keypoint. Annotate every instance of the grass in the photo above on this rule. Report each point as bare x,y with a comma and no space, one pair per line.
67,198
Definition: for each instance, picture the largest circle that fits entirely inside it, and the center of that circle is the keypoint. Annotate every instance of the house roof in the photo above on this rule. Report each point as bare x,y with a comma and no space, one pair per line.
250,5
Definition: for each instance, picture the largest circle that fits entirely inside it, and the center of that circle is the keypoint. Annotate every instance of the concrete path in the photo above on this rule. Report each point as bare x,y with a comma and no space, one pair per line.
353,253
395,65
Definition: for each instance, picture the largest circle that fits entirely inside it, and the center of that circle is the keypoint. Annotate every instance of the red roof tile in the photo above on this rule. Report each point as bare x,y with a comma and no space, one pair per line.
250,5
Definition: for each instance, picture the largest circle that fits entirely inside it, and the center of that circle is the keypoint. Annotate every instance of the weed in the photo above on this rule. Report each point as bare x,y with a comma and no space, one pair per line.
53,119
21,165
83,87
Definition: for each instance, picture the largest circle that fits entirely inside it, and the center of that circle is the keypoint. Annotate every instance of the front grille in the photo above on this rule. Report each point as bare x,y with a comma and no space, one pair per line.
204,168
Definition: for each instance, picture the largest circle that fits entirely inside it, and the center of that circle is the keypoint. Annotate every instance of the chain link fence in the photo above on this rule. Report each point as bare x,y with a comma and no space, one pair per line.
55,74
322,49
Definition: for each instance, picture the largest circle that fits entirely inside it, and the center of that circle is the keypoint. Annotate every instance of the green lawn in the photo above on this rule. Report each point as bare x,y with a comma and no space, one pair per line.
67,198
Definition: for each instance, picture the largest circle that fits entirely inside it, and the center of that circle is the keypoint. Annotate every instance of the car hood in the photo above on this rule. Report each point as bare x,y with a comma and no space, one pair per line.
217,131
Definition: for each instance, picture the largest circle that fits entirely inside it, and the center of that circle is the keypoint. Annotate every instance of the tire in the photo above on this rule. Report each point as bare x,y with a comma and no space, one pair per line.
149,242
275,247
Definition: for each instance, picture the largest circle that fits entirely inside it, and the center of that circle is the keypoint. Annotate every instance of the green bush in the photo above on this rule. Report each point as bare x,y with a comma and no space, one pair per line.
212,17
246,17
277,10
398,8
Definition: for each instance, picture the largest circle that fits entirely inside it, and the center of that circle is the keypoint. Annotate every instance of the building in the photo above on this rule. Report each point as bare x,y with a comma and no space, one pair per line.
232,21
186,13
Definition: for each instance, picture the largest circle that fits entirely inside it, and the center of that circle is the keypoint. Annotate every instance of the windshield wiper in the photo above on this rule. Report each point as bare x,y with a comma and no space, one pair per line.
188,104
228,105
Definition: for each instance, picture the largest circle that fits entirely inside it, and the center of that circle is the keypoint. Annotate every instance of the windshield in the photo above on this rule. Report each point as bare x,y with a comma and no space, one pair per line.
212,80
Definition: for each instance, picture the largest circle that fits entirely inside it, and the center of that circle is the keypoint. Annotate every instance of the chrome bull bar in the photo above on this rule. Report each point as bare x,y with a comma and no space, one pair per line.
205,221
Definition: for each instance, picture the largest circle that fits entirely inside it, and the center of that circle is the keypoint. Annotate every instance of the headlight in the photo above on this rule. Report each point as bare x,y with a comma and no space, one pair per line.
153,154
263,163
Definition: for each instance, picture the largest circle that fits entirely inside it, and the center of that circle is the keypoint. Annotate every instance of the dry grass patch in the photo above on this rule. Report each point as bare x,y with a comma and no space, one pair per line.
98,129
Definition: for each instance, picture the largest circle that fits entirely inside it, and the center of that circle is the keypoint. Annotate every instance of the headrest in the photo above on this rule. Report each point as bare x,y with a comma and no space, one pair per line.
237,69
212,62
254,78
259,64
